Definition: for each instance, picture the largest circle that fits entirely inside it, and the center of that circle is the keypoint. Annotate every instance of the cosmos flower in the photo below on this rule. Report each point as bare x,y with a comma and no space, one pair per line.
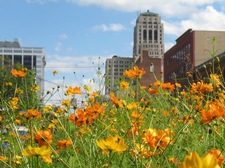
124,85
43,137
193,160
18,73
32,113
43,152
55,72
112,143
73,90
62,144
134,73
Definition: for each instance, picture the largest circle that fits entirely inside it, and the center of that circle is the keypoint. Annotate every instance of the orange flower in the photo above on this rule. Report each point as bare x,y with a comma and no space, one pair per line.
134,73
94,94
213,110
18,73
32,113
157,138
124,85
168,86
62,144
43,137
60,110
153,91
136,115
73,90
54,72
133,130
116,101
79,118
201,87
218,154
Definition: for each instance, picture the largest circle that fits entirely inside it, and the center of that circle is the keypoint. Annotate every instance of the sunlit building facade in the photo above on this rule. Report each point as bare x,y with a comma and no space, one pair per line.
192,48
148,47
29,57
148,35
114,69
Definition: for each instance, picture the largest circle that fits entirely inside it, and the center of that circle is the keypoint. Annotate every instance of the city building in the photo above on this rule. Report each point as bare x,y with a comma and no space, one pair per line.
148,48
114,69
215,65
153,68
192,48
148,34
29,57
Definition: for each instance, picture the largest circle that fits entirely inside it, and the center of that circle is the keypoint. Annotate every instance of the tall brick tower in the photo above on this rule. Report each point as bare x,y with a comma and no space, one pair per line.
148,48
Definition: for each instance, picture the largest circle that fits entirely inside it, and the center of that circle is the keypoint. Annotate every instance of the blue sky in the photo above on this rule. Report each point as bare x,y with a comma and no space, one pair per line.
75,33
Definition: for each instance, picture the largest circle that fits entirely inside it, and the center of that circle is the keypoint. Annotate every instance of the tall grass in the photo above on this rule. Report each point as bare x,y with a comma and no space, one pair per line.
142,127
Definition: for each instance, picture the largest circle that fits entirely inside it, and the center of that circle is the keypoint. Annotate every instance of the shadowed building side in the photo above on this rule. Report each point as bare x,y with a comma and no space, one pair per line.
153,68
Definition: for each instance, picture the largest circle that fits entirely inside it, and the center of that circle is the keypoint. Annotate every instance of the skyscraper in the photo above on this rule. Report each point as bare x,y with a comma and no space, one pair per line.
148,47
29,57
148,35
114,69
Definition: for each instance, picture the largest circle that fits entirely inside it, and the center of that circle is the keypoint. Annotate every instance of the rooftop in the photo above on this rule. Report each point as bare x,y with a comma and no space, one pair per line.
8,44
148,13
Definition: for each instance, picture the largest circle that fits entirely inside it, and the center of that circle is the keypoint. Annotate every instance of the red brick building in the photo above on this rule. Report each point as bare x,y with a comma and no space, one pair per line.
153,68
191,50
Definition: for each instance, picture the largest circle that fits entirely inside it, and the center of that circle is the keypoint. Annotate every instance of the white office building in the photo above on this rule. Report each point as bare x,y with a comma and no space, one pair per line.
148,35
29,57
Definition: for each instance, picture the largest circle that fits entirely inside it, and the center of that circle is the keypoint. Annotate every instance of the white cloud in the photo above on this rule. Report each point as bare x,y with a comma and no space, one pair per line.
176,8
208,19
110,27
63,36
73,71
70,64
41,1
58,47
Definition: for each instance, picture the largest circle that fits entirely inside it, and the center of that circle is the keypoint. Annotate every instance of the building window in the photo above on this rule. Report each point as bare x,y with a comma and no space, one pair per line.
144,34
151,67
150,35
27,62
34,61
155,35
18,59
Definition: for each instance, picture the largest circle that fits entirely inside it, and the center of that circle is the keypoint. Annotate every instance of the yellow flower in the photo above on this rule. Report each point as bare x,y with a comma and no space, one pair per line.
35,88
132,105
13,103
44,152
66,103
3,158
17,160
8,83
193,160
124,85
47,108
112,143
87,88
